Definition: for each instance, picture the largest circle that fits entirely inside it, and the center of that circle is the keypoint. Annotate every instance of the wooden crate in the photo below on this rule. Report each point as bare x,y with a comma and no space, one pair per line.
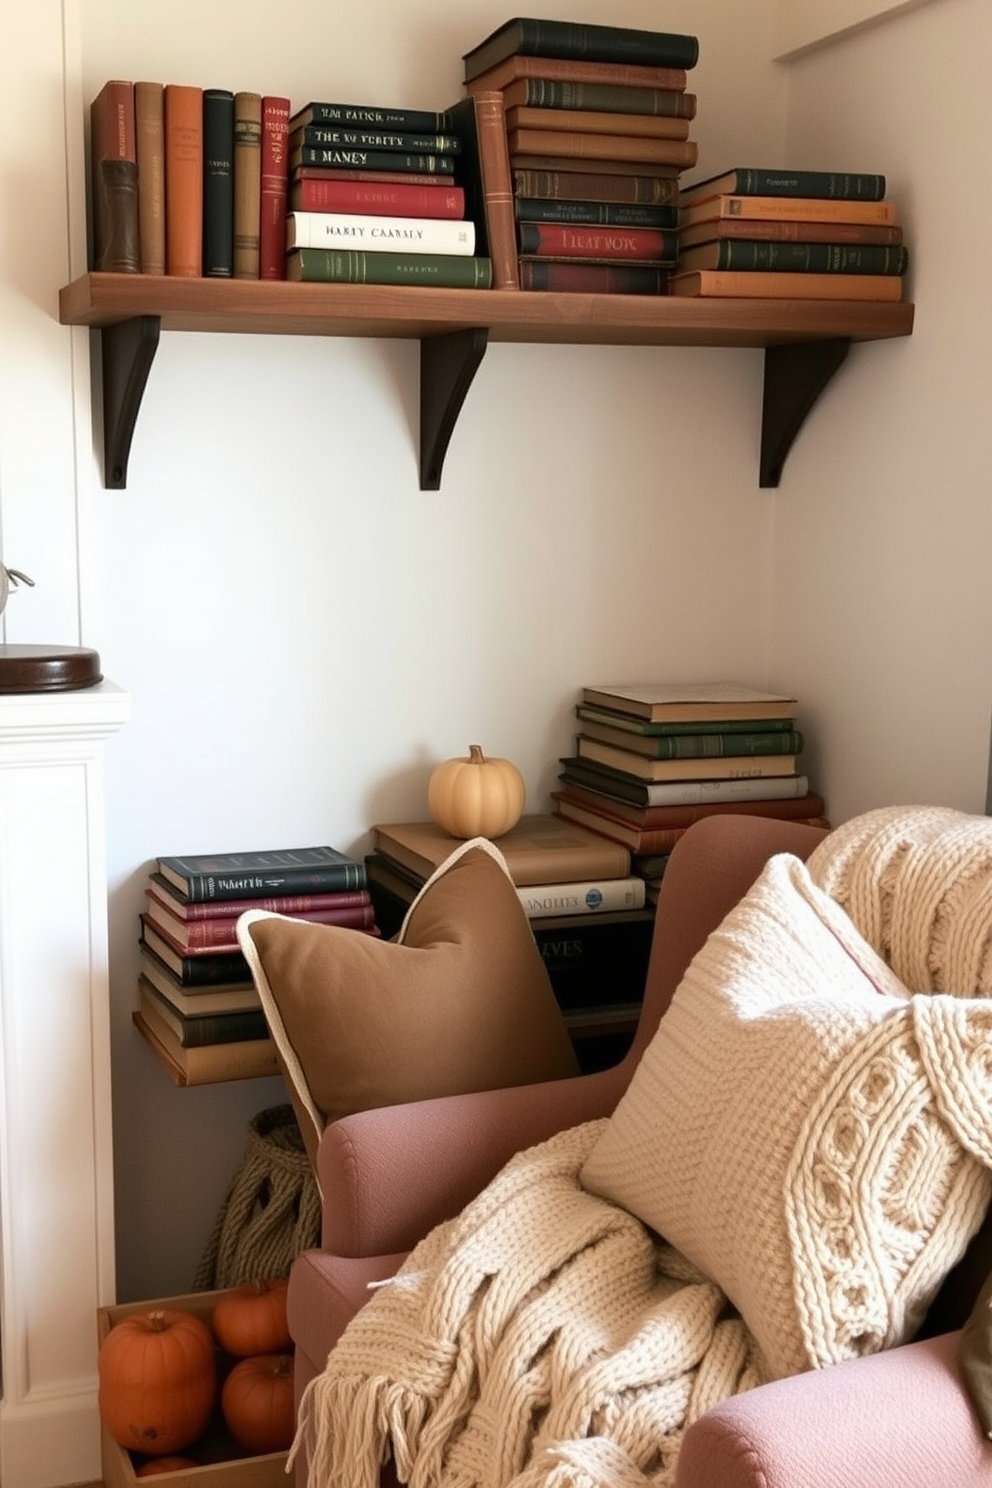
223,1463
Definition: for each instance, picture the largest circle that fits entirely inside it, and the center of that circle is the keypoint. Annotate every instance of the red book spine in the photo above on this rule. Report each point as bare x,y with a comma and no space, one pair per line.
229,909
114,183
197,936
274,187
564,240
592,278
386,200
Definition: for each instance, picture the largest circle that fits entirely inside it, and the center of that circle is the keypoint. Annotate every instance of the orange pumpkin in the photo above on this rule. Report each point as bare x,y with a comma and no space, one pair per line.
476,796
157,1381
257,1403
251,1319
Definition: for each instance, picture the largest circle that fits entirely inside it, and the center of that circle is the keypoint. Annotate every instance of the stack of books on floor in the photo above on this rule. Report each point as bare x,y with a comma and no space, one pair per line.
770,234
586,907
650,759
596,121
197,1006
377,196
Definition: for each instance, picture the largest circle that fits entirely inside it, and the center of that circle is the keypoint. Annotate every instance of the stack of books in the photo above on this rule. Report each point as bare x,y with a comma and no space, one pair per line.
770,234
586,905
378,196
652,758
188,181
197,1005
596,121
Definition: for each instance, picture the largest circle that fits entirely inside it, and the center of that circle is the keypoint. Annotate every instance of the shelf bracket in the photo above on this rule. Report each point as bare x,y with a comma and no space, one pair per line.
128,350
795,376
448,364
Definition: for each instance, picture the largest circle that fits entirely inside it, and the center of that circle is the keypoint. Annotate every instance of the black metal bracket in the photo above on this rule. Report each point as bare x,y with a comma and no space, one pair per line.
448,364
128,350
795,376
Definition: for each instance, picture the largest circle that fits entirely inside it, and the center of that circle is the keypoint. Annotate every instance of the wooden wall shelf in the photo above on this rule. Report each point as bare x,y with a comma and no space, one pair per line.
804,341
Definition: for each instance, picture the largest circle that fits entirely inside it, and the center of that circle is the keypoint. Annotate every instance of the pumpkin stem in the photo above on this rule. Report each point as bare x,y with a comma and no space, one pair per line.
475,755
156,1321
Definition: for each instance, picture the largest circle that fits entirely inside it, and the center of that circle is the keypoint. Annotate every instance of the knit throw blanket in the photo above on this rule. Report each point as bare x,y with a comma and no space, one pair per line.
545,1337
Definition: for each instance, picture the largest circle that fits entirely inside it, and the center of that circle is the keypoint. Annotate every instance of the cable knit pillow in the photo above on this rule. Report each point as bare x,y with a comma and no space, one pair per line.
459,1001
807,1133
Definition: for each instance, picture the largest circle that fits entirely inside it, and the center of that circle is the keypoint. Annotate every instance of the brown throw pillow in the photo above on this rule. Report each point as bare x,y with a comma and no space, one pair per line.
459,1000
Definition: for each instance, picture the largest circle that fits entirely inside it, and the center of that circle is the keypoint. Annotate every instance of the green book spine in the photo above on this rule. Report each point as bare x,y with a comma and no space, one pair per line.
613,98
757,181
218,183
632,725
344,266
582,39
601,214
817,258
382,160
702,746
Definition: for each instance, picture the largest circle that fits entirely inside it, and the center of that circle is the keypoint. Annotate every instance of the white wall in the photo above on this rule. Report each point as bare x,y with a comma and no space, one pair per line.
884,525
304,632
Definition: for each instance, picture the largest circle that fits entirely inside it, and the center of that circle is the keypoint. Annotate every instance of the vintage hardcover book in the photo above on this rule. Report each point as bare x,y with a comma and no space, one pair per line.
273,188
484,170
731,767
218,933
149,121
643,838
577,70
598,214
569,144
218,183
366,116
595,791
114,179
593,43
600,98
249,1059
379,234
247,183
783,231
789,209
193,1030
679,792
244,875
586,896
796,258
630,724
346,173
345,266
689,702
195,969
386,160
581,166
222,997
586,121
374,198
592,278
751,181
560,240
540,849
192,909
598,186
713,745
749,284
335,137
183,180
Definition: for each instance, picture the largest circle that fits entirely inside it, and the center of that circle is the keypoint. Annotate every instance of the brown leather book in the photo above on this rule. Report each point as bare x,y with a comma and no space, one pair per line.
478,120
114,179
540,849
247,183
183,180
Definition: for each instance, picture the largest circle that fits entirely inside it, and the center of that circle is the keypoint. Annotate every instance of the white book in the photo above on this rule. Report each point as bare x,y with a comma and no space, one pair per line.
589,896
370,234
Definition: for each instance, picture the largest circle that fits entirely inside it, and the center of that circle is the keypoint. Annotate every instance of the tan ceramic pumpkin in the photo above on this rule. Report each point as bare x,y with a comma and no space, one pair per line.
476,796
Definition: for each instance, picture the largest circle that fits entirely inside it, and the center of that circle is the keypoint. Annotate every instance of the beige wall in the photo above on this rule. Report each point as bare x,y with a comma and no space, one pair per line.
304,632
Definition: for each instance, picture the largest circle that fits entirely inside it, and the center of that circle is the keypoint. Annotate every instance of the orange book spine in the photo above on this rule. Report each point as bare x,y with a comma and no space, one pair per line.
183,180
274,187
569,70
497,189
582,146
758,284
592,121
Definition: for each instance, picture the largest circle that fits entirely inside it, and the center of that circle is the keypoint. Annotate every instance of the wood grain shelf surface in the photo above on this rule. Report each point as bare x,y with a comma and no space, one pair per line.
804,341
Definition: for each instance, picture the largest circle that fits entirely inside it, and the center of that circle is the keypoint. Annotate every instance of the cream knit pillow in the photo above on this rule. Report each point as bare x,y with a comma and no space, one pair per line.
808,1134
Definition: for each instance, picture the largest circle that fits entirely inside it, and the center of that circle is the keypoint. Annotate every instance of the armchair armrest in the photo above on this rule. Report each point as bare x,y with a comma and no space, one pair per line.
899,1419
389,1175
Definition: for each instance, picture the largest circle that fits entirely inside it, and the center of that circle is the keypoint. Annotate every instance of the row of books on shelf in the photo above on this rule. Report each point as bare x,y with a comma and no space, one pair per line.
559,170
197,1003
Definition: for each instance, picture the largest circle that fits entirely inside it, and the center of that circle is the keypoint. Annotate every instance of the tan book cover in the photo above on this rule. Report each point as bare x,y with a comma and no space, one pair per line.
540,849
149,114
